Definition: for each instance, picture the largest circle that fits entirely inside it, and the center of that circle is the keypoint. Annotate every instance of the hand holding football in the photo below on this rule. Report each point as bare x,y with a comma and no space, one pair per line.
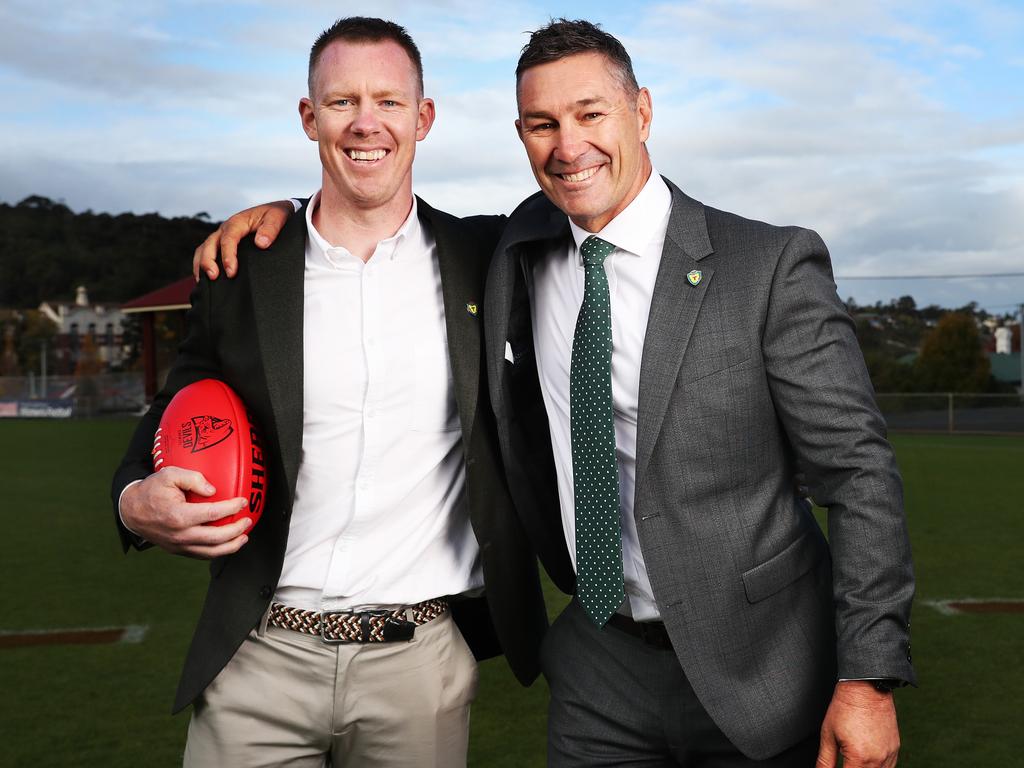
206,428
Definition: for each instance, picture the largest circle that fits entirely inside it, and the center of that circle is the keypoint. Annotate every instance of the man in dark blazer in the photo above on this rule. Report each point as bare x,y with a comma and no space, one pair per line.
731,367
249,333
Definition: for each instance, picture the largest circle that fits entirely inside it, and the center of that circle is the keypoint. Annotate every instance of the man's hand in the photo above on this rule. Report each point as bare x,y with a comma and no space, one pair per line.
157,511
265,220
861,725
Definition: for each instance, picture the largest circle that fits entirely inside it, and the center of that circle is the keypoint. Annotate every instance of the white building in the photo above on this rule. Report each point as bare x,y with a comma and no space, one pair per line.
74,320
1004,340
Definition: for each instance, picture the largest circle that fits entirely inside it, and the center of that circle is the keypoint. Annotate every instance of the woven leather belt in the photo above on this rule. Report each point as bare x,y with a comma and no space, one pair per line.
364,627
652,633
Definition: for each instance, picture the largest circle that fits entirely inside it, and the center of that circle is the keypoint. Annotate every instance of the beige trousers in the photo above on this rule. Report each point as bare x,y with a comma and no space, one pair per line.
290,699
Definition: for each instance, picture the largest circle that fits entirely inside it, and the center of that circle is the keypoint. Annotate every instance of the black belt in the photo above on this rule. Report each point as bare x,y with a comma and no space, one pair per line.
652,633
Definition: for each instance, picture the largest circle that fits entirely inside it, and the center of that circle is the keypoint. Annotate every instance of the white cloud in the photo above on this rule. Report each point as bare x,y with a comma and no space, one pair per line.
836,116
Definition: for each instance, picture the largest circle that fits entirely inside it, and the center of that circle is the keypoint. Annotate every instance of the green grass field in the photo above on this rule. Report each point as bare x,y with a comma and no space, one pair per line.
107,705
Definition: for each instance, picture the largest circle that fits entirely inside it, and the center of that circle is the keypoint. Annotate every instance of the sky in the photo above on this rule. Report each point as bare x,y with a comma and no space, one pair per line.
894,129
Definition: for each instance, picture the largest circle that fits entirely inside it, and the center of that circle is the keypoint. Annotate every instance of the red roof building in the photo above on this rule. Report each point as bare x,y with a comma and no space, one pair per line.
170,298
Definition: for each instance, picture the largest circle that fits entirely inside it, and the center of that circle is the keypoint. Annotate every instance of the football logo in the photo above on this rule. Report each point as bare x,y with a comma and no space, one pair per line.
203,432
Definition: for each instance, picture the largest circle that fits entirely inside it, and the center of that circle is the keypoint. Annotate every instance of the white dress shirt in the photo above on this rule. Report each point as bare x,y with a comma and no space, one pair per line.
557,283
379,516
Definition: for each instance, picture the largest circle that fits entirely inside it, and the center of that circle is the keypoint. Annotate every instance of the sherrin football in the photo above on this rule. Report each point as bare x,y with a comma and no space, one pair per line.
206,428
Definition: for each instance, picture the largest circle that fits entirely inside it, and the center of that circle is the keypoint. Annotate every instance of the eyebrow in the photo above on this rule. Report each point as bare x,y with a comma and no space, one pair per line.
586,102
341,93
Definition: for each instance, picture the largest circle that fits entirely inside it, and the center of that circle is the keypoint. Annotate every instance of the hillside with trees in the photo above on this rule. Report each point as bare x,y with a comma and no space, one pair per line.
46,250
929,349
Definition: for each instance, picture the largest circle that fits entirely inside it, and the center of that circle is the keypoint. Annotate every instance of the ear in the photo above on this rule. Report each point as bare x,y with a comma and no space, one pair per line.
308,116
644,113
425,119
519,130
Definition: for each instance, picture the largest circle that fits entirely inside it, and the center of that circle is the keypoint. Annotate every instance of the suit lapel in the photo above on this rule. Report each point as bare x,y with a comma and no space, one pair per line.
674,308
276,282
461,289
538,225
500,283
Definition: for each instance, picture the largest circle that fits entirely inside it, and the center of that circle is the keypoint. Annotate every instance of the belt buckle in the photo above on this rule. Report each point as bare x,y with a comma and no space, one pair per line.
394,629
325,614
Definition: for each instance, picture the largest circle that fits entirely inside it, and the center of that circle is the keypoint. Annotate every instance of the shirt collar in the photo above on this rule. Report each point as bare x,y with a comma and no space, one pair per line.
639,221
389,248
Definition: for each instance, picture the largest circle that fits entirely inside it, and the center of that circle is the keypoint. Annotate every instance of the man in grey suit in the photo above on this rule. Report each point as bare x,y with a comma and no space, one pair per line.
694,362
657,389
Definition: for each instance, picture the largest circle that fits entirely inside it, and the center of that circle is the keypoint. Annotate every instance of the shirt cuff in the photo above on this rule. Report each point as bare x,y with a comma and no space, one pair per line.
120,516
296,203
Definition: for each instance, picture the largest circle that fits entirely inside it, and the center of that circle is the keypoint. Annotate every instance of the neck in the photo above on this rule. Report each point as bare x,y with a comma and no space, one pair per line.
358,229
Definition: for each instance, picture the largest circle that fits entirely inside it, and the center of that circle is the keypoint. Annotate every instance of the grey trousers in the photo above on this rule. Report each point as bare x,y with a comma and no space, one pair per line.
616,701
290,699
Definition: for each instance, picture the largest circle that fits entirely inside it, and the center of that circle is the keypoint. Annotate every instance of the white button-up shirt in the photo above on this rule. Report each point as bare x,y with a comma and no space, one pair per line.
557,283
379,516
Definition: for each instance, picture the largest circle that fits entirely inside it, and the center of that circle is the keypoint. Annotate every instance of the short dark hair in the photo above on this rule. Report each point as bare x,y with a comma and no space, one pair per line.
563,37
365,29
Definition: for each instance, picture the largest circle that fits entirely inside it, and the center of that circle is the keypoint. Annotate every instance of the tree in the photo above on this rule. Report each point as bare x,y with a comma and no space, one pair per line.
951,358
905,305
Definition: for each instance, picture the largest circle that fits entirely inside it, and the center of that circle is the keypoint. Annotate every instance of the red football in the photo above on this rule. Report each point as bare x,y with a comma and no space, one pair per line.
206,428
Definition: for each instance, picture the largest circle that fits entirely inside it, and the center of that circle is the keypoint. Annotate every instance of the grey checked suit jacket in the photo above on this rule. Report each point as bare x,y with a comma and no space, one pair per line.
248,333
748,377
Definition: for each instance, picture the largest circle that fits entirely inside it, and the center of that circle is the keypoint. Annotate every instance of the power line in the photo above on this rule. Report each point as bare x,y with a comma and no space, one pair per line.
927,277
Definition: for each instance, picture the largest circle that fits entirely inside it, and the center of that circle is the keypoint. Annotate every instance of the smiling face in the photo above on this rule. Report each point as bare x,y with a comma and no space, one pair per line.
366,113
584,134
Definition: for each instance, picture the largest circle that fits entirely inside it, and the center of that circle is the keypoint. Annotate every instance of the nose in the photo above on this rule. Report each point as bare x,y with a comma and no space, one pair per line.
366,121
571,143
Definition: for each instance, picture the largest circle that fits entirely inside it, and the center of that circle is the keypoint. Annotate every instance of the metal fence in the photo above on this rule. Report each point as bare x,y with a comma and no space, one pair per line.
61,396
952,412
114,393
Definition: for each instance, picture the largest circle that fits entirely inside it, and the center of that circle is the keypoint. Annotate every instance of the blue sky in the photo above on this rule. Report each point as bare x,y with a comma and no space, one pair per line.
894,129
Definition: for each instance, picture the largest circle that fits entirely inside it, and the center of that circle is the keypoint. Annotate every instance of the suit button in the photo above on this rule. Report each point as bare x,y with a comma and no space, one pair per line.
265,592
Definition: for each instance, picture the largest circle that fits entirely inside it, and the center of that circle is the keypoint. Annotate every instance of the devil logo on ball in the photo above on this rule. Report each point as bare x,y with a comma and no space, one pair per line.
202,432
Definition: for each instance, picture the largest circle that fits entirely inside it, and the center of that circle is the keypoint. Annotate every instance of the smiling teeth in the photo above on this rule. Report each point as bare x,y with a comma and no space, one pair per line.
373,154
581,176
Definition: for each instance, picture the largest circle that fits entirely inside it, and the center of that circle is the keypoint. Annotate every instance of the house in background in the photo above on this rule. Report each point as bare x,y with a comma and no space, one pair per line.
85,328
1005,354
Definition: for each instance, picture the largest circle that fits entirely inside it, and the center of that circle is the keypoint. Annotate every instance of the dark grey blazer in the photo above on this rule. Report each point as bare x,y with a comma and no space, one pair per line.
747,377
248,333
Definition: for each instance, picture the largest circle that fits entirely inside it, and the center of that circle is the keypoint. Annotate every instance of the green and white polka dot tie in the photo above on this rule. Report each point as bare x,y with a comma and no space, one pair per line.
599,583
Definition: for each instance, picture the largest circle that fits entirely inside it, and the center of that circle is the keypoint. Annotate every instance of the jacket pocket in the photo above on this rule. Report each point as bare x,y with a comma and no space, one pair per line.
721,365
783,569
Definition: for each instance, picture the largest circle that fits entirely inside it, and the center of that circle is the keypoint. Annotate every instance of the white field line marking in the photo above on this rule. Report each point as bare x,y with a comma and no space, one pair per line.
130,633
949,607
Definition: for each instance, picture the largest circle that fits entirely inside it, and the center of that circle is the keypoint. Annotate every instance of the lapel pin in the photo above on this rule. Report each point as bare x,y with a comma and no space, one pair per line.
694,277
472,308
